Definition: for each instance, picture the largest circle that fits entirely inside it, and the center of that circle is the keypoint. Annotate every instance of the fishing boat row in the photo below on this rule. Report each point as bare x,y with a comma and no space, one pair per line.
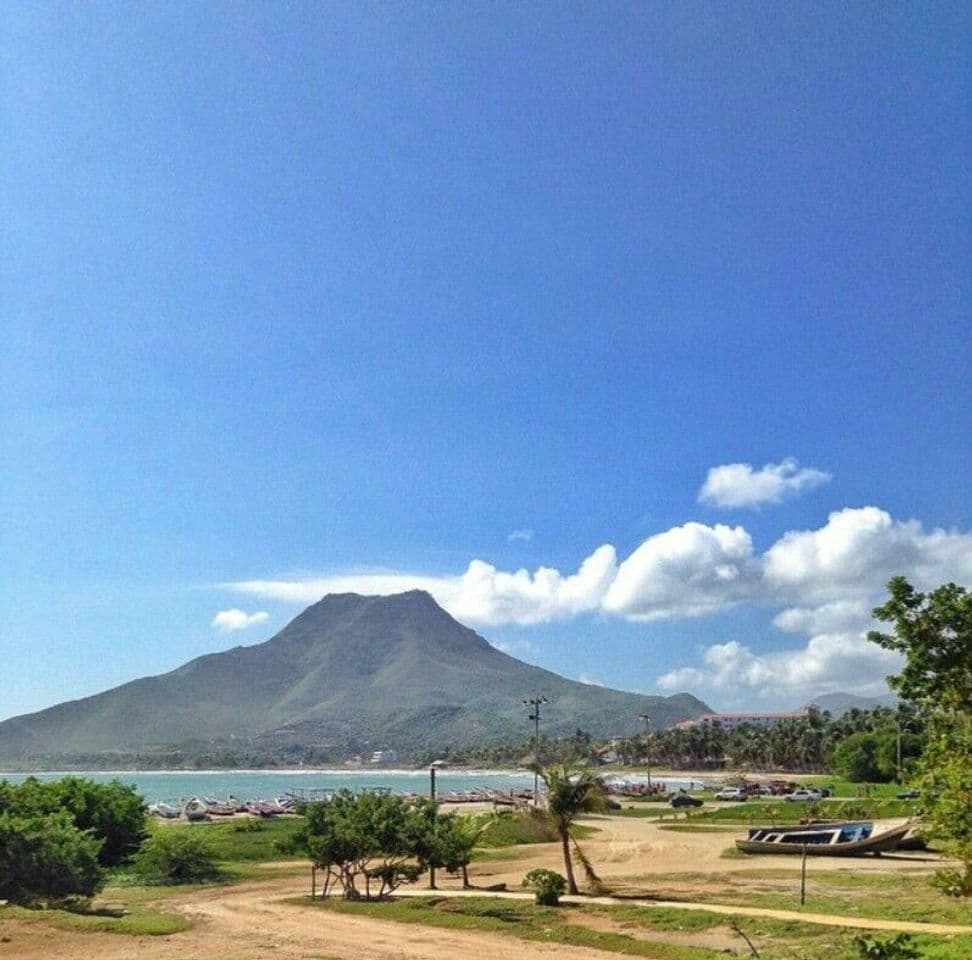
828,838
205,808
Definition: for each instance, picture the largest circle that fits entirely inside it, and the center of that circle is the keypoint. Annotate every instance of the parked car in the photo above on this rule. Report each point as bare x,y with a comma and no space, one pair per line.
685,800
732,793
804,795
908,795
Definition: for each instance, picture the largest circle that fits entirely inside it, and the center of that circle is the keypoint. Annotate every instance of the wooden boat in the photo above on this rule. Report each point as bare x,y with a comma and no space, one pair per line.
823,839
196,810
164,810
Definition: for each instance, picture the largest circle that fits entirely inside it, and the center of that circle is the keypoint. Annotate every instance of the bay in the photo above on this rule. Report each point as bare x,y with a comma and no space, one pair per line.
176,785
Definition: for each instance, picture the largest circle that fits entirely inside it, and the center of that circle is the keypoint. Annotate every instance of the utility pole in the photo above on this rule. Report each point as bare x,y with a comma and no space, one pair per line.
535,704
647,719
435,810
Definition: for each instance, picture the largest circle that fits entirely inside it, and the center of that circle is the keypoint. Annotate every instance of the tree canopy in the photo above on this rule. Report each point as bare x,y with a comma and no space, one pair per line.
934,632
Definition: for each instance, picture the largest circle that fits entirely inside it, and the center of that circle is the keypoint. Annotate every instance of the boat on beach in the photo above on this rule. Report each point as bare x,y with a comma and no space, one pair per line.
824,839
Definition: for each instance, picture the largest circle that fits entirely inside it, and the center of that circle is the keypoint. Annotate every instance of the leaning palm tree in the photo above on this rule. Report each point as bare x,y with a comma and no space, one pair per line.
568,796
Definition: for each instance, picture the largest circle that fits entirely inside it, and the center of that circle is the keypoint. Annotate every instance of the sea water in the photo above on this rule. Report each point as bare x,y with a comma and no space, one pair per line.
175,785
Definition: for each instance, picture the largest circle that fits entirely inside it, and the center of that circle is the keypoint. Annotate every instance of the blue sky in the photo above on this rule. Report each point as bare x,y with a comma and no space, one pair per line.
301,297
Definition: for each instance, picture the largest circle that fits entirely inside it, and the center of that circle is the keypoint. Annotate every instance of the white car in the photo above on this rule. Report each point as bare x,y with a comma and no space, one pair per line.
808,794
731,793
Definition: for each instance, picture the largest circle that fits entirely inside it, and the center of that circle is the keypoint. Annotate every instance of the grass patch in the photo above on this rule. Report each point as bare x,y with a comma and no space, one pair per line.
688,827
514,828
663,933
864,895
135,921
781,812
244,839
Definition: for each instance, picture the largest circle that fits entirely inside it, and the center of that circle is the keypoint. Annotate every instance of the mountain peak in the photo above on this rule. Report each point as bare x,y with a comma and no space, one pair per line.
349,670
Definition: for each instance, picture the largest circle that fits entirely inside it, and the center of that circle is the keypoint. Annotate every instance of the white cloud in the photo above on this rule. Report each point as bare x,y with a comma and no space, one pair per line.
831,576
821,583
311,589
684,572
829,662
525,535
483,595
856,552
740,485
512,647
827,618
591,681
229,621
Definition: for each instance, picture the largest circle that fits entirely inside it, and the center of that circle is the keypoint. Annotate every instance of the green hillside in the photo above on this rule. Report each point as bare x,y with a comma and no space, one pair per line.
391,672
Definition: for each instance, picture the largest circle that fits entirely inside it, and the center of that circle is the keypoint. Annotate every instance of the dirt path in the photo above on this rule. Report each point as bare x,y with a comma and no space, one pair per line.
251,921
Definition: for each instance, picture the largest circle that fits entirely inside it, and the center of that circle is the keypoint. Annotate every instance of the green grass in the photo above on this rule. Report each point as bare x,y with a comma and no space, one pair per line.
689,827
866,894
650,932
245,840
136,921
516,828
779,811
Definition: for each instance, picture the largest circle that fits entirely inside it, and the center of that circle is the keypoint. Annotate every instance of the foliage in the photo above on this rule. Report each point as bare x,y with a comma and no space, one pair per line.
568,796
867,757
45,858
548,886
898,947
113,812
947,796
177,856
453,839
246,840
934,632
513,827
367,837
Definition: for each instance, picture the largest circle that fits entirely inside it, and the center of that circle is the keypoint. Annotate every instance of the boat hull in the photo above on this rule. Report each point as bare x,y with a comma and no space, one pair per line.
877,843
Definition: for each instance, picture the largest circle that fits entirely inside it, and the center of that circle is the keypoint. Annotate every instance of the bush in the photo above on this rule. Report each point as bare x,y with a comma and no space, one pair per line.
548,886
898,947
177,855
113,812
46,859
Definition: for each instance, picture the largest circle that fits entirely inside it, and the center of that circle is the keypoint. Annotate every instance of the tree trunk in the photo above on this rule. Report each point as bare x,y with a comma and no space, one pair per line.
465,877
568,865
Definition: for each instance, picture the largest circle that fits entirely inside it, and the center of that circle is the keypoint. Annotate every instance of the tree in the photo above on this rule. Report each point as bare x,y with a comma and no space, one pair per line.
178,855
46,859
568,796
934,632
455,837
113,812
369,837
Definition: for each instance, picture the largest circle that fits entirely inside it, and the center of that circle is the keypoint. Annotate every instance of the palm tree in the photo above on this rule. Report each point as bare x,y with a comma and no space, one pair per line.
568,796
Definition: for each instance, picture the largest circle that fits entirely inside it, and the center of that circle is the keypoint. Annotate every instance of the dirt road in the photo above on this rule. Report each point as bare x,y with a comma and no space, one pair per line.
251,921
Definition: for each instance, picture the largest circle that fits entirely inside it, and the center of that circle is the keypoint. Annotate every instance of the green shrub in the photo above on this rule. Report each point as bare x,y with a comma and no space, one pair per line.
177,855
113,812
548,886
46,859
898,947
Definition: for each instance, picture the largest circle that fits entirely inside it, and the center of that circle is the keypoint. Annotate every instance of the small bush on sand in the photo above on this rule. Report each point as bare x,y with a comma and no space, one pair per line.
548,886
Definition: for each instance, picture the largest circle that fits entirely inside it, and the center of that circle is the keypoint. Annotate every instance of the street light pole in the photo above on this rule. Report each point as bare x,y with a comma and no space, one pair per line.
535,705
647,719
435,811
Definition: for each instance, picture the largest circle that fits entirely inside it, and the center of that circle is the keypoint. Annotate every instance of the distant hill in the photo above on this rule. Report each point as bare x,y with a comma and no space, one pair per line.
838,704
349,672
